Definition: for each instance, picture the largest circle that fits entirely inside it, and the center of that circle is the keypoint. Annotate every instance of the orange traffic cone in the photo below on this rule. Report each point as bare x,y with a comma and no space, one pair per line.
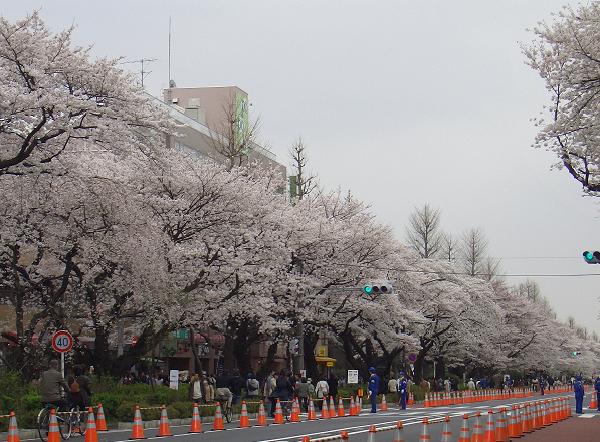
344,435
244,420
555,416
427,402
593,402
218,422
137,431
312,414
490,429
278,413
477,435
13,431
502,427
53,433
546,413
352,406
164,429
331,407
384,406
446,433
101,419
91,435
325,410
295,414
261,419
196,425
425,431
465,433
399,432
514,424
341,411
411,399
372,433
537,422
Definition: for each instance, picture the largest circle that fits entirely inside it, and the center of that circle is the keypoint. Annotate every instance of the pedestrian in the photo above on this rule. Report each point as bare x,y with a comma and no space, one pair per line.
303,393
373,389
273,396
393,389
471,384
269,385
252,386
543,384
403,390
195,389
311,388
333,385
578,388
236,383
447,386
322,391
597,388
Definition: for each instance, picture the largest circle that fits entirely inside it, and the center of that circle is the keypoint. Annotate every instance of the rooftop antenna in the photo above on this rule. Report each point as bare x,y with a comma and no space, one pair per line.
169,83
143,73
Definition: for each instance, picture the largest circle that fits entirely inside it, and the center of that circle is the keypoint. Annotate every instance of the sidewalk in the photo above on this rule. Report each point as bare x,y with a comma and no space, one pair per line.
573,429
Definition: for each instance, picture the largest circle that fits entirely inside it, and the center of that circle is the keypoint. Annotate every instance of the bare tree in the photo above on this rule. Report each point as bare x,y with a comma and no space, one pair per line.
302,182
448,246
234,136
530,289
491,268
571,322
472,251
423,231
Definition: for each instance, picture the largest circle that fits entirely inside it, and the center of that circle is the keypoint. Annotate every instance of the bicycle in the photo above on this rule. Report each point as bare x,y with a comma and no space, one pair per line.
65,420
226,408
286,409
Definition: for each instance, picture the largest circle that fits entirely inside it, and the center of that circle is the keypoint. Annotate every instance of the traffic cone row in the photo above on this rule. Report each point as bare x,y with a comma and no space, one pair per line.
442,399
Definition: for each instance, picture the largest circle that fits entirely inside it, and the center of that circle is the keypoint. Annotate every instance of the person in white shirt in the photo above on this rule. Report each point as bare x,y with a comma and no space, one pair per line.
392,389
322,391
471,384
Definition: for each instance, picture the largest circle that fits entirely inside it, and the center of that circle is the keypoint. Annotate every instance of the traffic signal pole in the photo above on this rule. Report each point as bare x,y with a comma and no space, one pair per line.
299,358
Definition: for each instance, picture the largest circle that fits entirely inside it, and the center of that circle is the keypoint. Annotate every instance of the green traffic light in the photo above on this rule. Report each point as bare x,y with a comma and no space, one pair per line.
368,289
588,255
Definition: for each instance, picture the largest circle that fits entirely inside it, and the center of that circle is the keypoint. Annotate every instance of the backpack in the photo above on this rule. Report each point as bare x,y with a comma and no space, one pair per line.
252,385
74,387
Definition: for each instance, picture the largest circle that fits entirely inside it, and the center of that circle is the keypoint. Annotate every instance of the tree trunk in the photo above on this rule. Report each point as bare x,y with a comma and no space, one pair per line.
310,361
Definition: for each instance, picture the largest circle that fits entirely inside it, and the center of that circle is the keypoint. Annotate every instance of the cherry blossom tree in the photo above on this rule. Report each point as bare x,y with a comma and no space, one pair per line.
54,98
566,55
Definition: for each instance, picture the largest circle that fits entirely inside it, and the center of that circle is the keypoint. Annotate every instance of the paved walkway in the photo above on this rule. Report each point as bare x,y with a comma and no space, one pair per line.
579,428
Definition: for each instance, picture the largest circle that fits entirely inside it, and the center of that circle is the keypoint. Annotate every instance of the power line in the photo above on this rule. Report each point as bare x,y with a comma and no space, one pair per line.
515,275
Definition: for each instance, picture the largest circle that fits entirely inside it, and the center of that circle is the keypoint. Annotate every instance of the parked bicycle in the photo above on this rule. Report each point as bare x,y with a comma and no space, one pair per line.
69,422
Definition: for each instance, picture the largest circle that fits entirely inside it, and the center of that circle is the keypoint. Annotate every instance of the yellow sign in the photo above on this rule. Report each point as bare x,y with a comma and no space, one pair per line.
330,364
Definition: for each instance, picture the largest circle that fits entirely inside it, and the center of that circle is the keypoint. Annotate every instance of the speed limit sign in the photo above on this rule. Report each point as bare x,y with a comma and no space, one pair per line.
62,341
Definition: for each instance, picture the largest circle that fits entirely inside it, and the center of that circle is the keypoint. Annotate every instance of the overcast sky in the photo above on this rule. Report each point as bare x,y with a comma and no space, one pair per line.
403,102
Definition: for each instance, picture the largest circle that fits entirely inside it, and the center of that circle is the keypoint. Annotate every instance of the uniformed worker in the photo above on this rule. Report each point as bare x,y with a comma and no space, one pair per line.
373,389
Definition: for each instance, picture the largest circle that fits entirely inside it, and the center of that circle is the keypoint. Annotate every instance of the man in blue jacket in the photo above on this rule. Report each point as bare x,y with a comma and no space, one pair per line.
597,388
578,388
373,389
403,390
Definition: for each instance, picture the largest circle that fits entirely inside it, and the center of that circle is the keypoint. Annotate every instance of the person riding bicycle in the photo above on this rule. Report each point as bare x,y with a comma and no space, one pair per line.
223,384
51,383
79,386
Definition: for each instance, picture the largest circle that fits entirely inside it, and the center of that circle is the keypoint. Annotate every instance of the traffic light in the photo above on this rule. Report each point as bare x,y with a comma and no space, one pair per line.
591,257
376,289
576,353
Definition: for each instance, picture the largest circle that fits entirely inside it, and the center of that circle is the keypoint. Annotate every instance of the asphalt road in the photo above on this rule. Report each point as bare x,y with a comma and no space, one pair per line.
357,426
